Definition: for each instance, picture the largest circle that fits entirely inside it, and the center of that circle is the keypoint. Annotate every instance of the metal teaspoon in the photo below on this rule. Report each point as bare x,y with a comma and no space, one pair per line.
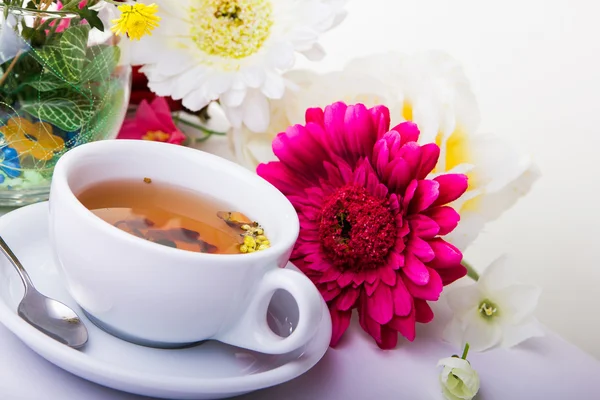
47,315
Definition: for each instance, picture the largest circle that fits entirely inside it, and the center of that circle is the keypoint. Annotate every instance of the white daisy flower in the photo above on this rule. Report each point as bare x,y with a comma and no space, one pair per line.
233,51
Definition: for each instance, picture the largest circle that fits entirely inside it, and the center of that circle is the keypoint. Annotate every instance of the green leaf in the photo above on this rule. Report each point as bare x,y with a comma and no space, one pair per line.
91,16
63,113
73,45
47,83
52,58
102,62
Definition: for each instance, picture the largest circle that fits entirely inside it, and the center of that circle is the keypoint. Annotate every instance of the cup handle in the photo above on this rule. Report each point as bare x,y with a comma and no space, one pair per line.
252,331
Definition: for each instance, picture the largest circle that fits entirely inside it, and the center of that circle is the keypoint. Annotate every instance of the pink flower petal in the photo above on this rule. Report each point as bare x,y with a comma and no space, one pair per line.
402,299
397,174
381,156
331,294
415,270
333,119
430,153
411,153
430,291
452,186
420,248
423,313
446,255
315,115
299,151
405,325
345,278
381,119
340,320
389,338
423,227
410,193
395,260
426,194
446,217
450,275
360,131
380,305
366,322
387,276
282,178
409,131
347,299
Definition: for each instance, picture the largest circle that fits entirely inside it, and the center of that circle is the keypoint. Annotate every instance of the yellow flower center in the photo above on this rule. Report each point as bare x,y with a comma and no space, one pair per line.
136,20
231,28
487,309
156,136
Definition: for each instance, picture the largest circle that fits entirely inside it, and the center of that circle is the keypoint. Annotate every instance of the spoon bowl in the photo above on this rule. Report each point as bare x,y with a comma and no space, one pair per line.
49,316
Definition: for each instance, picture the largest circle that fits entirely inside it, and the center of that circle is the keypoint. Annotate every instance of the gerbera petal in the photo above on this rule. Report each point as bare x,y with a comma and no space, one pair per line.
415,270
423,227
430,153
380,305
340,320
446,217
360,131
387,276
451,187
450,275
423,313
402,299
405,325
333,118
331,294
381,119
429,291
426,193
389,338
409,131
345,278
315,115
446,255
347,299
297,149
366,322
282,178
420,248
411,153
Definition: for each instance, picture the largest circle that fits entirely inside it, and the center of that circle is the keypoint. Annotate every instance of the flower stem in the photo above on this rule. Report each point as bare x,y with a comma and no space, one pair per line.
199,127
465,351
471,273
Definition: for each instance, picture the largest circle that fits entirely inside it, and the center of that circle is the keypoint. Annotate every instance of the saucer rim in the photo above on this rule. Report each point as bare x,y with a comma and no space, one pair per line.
80,364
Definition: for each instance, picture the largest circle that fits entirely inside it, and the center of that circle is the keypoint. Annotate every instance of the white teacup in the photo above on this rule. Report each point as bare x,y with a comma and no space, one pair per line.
160,296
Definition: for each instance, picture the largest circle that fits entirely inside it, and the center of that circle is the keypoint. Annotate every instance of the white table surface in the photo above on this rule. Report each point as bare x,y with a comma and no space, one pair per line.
546,368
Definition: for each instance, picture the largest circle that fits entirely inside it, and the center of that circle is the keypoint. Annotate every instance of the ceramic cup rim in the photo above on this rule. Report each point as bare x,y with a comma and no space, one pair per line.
65,165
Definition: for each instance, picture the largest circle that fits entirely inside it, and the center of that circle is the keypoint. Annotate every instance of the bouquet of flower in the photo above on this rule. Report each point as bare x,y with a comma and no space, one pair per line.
383,162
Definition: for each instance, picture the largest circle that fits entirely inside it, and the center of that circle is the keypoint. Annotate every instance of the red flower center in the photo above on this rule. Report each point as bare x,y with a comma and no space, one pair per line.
357,229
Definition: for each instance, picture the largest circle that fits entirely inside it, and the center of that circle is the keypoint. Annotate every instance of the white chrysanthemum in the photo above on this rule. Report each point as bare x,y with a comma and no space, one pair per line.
436,94
232,50
307,89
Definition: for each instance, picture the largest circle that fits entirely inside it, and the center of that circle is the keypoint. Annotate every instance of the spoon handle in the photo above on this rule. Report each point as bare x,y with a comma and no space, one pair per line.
16,263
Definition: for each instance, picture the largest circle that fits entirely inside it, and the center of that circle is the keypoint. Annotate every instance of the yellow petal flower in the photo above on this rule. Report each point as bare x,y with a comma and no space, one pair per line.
136,20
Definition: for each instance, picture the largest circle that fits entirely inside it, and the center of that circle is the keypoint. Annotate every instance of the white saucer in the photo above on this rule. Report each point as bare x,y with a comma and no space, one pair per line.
209,371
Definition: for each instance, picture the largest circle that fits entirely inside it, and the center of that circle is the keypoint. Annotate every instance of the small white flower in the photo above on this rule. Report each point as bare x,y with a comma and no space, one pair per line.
458,379
493,311
232,50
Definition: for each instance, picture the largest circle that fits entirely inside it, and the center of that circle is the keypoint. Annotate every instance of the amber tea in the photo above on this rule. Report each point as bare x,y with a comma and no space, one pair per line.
173,216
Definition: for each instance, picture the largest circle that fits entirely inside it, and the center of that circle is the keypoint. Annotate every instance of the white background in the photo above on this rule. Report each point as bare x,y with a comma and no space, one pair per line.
535,67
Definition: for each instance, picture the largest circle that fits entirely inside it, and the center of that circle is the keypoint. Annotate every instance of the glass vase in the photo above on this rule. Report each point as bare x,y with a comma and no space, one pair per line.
62,84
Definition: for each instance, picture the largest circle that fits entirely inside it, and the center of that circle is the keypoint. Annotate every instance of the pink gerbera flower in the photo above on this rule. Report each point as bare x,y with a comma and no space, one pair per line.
370,220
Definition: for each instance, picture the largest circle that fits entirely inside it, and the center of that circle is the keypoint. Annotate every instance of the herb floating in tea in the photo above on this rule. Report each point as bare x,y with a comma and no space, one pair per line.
253,234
